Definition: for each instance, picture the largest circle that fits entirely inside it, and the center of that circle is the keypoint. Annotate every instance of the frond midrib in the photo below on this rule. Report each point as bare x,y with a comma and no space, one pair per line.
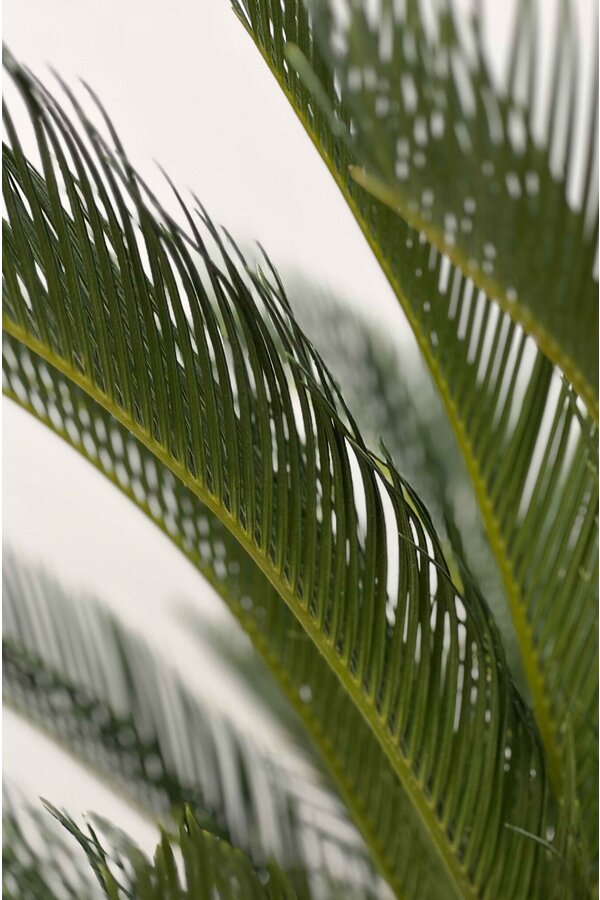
541,703
457,874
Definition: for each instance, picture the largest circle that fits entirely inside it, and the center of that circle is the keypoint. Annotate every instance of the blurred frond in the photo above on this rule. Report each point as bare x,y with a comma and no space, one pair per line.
107,697
492,169
37,857
192,865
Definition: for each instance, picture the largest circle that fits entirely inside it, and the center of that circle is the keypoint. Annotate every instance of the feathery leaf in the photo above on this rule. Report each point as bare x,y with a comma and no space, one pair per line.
529,442
267,444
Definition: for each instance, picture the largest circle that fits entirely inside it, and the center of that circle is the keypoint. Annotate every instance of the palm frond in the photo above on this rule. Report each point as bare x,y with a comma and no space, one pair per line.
484,166
529,442
194,865
353,556
110,700
352,755
395,405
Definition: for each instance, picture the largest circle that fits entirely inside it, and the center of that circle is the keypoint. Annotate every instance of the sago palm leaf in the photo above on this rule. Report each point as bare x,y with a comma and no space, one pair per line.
209,866
485,170
367,386
390,396
353,757
529,442
264,441
104,695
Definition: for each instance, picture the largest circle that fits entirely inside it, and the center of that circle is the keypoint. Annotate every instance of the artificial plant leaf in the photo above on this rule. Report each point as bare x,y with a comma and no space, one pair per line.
37,858
210,867
107,697
529,442
265,441
483,166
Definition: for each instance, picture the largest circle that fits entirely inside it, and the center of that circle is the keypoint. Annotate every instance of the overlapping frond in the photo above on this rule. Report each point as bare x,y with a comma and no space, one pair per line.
396,405
530,443
109,699
492,173
192,865
265,442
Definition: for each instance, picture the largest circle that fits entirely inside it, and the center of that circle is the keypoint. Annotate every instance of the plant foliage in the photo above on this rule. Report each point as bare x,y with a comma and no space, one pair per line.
104,694
150,343
509,406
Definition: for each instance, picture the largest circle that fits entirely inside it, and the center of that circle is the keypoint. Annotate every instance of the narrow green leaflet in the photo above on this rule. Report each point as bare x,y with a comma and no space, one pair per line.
109,699
264,440
485,171
37,856
209,866
529,442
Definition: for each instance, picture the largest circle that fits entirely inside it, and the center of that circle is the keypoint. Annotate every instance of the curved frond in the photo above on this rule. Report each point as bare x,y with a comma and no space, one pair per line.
110,700
529,442
265,442
352,755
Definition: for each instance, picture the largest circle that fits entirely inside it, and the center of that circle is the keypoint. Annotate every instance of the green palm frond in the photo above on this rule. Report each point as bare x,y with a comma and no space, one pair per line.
483,166
352,755
529,442
339,534
110,700
209,866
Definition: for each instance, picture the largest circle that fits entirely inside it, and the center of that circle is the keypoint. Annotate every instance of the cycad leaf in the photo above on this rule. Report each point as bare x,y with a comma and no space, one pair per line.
483,170
210,866
339,534
110,700
529,442
347,745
